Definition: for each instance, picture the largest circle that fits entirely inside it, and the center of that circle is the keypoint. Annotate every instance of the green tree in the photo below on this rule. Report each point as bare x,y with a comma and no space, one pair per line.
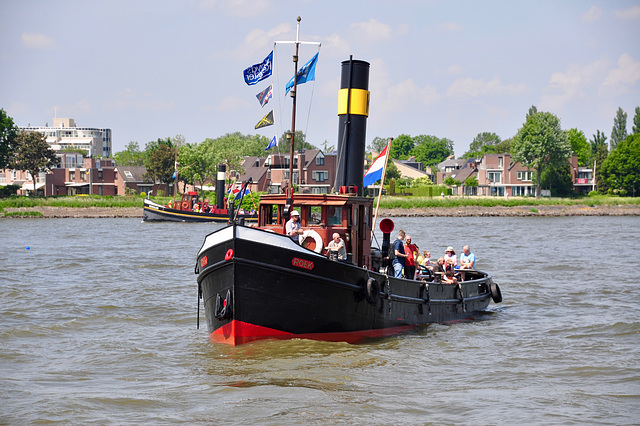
300,141
469,182
541,143
621,169
377,144
421,181
33,154
8,134
326,148
482,140
392,173
401,147
636,122
599,152
619,130
131,156
558,179
160,160
451,181
194,164
431,150
580,146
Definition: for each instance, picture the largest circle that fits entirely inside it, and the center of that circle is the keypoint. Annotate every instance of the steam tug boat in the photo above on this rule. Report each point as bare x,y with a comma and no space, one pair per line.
258,283
182,211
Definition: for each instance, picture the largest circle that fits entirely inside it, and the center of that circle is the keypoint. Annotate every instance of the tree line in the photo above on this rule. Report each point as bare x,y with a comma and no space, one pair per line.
540,144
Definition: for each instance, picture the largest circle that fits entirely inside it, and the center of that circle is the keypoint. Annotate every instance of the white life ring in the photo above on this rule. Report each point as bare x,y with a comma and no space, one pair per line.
316,238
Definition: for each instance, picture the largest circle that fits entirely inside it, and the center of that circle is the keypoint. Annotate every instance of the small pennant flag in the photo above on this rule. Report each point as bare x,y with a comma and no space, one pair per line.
267,120
258,72
265,95
306,73
274,142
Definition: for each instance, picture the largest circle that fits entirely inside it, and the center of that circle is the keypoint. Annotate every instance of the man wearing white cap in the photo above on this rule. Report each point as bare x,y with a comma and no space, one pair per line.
293,226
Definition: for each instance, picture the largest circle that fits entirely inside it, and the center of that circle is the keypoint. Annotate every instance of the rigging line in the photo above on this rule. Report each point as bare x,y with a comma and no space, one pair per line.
313,89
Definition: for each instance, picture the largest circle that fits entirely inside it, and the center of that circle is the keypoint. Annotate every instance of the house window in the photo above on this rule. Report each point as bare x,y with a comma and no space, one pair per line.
128,174
500,162
99,174
319,160
72,175
494,177
525,176
321,176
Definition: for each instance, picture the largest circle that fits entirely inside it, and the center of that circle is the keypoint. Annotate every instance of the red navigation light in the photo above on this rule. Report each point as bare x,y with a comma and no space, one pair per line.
386,226
204,261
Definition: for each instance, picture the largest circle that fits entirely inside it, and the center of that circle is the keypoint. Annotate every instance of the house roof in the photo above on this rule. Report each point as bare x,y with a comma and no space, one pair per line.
132,173
252,171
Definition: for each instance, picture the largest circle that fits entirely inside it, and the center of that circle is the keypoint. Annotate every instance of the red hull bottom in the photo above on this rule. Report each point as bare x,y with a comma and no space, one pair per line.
239,332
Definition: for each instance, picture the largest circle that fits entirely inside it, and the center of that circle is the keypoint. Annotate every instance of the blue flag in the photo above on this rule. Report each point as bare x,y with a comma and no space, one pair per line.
259,72
306,73
274,142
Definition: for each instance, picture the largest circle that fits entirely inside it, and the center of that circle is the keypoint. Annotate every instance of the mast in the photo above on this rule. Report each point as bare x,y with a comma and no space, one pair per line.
293,109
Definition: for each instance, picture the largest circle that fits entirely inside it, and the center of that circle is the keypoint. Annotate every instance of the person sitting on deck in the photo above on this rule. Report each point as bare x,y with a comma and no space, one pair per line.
292,226
467,261
438,270
336,250
449,278
450,254
426,259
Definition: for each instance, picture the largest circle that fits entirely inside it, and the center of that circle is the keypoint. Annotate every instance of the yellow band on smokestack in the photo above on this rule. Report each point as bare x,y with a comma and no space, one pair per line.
359,102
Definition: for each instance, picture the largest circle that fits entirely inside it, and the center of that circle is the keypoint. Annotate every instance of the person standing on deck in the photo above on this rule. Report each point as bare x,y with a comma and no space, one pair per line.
411,250
293,226
399,255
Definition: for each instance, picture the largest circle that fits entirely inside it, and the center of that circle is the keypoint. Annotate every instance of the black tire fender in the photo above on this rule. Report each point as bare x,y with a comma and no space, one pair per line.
372,291
496,294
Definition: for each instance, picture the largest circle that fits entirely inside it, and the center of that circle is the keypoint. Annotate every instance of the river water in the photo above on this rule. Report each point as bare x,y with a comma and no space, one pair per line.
98,325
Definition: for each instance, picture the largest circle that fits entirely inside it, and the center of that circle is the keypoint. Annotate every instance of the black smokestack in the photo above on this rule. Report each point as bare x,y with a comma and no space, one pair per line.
353,110
220,186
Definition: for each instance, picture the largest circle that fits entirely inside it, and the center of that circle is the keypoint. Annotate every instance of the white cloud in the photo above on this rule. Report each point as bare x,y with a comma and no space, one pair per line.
631,14
372,30
36,41
568,86
472,87
389,98
259,42
619,80
592,14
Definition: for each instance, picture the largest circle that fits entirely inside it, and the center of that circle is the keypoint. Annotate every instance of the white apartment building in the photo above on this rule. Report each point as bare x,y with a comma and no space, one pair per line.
64,134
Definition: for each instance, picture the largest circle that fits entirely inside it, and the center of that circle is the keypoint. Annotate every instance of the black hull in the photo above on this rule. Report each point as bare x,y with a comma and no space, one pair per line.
273,288
154,212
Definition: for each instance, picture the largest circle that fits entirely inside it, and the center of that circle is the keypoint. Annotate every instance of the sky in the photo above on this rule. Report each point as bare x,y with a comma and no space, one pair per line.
151,69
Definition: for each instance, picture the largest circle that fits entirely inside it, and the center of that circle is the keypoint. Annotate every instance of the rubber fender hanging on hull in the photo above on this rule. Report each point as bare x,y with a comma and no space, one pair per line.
372,291
223,308
496,294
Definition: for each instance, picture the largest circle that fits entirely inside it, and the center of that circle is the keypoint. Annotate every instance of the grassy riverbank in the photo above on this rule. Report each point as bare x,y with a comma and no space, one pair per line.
122,206
456,202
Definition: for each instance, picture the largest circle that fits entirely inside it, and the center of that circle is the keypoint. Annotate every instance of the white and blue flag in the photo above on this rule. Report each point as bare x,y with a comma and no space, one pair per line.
258,72
274,142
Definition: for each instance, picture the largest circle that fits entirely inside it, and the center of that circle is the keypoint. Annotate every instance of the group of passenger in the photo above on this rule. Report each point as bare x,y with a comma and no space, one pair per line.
409,263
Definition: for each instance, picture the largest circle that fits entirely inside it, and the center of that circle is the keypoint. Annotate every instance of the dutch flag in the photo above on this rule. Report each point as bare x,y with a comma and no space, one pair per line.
374,173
